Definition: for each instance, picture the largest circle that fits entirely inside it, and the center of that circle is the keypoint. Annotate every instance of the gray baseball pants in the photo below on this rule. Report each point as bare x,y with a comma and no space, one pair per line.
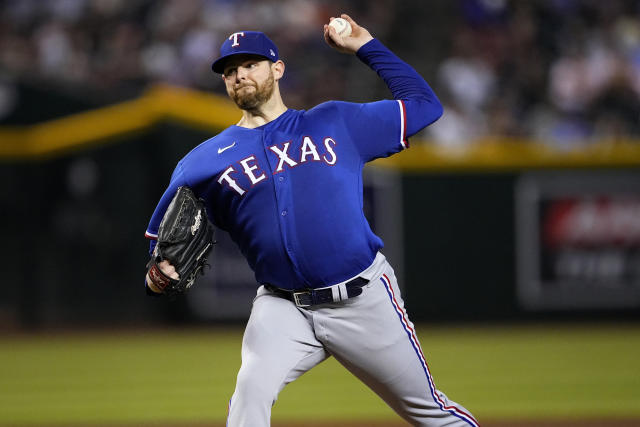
370,335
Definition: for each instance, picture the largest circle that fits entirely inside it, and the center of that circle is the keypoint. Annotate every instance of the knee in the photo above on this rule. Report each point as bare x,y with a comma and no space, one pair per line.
256,388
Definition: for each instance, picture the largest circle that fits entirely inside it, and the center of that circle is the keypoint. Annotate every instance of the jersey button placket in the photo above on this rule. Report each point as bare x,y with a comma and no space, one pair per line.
284,211
281,179
282,195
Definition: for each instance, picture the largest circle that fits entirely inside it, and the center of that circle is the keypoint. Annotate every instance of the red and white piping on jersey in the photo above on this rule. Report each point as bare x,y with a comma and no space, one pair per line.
402,314
403,125
151,236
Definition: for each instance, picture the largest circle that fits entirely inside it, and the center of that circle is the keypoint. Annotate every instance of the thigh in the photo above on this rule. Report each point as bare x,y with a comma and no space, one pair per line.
279,343
368,332
373,337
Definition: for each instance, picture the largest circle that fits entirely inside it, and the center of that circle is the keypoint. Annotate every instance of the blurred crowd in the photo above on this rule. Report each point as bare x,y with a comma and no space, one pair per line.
121,46
562,71
566,72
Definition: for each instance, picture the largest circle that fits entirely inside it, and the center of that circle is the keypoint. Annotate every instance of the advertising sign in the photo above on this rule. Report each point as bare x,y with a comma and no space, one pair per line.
578,240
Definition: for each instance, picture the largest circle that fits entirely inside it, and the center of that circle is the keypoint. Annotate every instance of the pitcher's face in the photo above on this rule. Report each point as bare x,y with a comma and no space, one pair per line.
249,80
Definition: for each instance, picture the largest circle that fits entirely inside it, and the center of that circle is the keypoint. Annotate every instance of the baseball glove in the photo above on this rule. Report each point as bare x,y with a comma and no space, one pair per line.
185,238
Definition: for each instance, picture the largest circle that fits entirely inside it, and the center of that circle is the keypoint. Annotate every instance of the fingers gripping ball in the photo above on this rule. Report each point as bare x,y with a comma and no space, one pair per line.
342,26
185,239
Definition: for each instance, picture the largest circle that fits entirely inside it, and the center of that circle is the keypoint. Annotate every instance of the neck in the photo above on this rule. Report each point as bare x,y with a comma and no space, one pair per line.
263,114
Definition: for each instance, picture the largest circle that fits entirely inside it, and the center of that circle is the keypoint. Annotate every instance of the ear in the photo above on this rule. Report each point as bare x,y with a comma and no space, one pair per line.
278,69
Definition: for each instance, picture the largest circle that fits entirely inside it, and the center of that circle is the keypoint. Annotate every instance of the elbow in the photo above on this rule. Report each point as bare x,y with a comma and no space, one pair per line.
437,110
432,110
434,107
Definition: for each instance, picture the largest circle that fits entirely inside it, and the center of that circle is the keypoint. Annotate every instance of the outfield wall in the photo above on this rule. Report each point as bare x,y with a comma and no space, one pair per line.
504,230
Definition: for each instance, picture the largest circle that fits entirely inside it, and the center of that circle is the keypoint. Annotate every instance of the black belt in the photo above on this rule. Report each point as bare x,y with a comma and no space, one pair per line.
309,297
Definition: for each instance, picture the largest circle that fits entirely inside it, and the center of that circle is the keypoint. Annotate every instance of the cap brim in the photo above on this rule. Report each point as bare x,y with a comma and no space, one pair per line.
218,64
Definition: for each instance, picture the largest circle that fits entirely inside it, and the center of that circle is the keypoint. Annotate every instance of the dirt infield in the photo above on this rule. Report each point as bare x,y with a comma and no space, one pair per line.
487,423
495,423
563,423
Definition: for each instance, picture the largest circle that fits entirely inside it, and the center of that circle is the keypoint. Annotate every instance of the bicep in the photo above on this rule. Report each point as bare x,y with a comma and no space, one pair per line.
378,129
420,113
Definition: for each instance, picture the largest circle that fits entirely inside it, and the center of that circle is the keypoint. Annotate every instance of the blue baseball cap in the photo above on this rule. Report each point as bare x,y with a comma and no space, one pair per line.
249,42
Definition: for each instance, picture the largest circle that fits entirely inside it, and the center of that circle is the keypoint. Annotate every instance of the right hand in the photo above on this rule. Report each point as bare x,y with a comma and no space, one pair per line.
359,36
167,268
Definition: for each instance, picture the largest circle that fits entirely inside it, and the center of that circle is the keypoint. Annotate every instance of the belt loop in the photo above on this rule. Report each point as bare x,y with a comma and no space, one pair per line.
339,292
335,293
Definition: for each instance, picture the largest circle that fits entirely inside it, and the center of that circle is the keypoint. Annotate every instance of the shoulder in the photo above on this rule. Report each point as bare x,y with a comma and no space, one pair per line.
333,111
345,108
208,147
204,160
326,108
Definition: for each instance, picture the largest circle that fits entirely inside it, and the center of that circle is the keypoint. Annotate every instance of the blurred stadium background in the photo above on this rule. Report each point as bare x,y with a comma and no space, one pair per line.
513,222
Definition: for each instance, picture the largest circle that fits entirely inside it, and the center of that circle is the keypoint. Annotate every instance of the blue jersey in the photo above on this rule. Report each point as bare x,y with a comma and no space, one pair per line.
289,193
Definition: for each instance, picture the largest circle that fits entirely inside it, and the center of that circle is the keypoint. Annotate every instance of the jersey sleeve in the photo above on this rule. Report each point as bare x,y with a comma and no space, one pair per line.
177,180
378,129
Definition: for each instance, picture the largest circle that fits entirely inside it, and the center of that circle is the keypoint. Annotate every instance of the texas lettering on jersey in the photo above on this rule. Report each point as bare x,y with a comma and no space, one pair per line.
286,156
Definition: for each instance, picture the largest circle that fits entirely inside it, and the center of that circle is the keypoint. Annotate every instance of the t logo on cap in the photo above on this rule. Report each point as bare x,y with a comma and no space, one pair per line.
234,36
247,43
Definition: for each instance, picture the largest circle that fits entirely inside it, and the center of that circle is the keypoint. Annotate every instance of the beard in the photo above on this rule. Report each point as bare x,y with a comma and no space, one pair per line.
250,100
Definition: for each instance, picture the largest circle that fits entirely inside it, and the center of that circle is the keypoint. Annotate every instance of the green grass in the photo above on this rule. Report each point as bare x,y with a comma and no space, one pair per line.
183,376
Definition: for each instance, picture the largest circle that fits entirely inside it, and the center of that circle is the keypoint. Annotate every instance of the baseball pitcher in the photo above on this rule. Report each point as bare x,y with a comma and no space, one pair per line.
287,186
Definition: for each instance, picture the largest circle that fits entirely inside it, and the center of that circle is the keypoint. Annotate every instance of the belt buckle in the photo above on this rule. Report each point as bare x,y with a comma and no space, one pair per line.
297,299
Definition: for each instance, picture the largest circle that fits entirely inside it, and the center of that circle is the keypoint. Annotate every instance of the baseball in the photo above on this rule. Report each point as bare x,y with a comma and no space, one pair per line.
342,26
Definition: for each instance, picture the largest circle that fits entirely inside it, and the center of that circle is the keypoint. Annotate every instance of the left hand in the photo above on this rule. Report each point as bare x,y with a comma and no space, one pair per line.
168,270
359,36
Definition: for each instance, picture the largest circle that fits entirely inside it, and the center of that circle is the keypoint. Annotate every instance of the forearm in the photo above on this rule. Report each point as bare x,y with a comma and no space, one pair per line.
421,103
